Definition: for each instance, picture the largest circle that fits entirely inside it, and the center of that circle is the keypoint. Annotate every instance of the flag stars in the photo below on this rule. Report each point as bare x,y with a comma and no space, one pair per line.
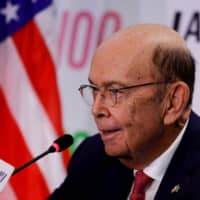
10,12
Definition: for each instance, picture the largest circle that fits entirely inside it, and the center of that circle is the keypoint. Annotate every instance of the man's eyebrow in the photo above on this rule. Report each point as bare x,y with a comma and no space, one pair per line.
109,83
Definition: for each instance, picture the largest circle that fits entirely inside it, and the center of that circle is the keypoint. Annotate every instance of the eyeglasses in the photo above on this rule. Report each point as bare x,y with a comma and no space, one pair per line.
111,96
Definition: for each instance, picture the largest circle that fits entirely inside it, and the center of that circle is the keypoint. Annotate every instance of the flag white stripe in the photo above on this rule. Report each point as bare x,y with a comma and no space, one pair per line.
47,24
31,118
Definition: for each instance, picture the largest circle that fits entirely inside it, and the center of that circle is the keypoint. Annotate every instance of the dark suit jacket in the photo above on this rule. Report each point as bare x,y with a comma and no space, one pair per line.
92,175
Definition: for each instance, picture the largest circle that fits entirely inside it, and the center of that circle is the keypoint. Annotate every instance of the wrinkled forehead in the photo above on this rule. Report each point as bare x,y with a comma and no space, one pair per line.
123,57
129,52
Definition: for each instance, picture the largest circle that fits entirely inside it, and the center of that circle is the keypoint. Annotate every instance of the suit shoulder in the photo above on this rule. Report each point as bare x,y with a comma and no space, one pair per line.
90,153
92,145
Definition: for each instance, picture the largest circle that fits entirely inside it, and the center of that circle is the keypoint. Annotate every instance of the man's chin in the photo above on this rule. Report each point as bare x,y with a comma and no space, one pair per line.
116,153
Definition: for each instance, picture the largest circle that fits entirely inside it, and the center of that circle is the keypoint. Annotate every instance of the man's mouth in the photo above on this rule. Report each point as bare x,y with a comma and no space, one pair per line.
108,134
110,131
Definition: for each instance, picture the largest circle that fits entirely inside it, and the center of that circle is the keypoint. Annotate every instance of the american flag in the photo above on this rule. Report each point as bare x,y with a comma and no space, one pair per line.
30,109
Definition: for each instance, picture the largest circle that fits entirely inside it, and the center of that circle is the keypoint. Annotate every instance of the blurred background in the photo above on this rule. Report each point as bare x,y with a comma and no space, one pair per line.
45,53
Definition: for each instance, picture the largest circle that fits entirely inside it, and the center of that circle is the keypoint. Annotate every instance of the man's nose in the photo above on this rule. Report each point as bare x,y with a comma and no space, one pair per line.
99,107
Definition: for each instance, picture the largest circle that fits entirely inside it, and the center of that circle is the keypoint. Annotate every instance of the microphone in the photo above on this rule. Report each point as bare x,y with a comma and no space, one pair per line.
58,145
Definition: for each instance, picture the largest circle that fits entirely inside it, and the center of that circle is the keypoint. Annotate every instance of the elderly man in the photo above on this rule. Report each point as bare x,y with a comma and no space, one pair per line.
140,92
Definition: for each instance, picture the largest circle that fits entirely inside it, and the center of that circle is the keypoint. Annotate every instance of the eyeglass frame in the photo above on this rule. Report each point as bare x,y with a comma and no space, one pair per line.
115,91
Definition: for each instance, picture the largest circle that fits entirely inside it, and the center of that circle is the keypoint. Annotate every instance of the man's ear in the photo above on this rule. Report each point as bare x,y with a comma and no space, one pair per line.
177,101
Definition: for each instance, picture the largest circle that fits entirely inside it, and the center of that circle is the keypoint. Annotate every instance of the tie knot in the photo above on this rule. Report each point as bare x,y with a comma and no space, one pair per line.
140,183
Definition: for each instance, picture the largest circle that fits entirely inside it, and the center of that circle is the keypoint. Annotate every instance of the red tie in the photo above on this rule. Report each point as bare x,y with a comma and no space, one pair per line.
140,183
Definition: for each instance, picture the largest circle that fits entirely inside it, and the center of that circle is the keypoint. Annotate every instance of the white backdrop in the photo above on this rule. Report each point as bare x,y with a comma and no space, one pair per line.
82,24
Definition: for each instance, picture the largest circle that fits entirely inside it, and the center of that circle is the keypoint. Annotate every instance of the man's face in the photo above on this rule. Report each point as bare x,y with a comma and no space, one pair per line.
133,127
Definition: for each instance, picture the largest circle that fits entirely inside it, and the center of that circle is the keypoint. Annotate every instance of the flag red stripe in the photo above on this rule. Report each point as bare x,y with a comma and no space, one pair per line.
12,137
40,68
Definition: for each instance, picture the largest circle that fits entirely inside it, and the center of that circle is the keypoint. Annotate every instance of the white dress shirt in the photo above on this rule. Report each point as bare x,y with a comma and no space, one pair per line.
158,167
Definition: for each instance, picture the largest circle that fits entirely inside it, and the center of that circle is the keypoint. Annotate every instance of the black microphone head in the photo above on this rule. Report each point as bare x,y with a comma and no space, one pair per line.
61,143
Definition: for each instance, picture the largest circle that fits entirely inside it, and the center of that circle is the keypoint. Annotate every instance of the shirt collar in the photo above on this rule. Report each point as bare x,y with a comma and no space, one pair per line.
157,168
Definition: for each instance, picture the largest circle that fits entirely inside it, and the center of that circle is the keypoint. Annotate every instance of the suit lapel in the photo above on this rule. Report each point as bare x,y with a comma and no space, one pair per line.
119,183
185,163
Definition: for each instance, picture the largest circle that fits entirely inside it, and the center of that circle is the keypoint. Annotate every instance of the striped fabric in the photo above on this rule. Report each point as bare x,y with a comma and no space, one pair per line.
30,109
